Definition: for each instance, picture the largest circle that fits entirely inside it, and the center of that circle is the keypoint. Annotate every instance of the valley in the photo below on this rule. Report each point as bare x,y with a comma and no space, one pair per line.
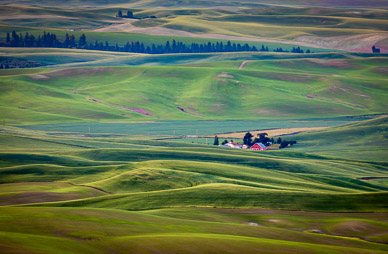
108,125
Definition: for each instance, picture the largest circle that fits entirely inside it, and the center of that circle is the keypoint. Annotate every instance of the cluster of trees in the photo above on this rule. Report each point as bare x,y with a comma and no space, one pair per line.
375,50
47,40
299,50
129,14
261,138
50,40
285,143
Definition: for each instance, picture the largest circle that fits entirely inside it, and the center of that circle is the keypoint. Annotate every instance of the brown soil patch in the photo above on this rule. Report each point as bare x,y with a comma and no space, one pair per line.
35,197
38,192
243,64
328,62
159,30
94,100
217,107
137,110
140,110
38,76
349,227
83,72
290,77
372,178
189,111
225,75
355,43
381,70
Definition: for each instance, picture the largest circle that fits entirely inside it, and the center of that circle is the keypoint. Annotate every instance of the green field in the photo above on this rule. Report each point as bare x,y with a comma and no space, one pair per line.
265,89
95,194
104,152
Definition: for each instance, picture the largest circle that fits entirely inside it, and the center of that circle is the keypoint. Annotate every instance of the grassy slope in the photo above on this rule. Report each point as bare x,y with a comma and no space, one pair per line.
271,88
135,175
102,230
349,140
59,58
162,174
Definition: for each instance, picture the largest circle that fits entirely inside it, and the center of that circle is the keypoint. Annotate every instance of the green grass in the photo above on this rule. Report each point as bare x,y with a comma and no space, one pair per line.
290,89
98,230
154,174
75,192
94,181
60,58
350,140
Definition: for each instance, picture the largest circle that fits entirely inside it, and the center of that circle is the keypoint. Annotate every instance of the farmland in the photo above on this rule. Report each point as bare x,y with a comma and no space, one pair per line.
102,188
274,89
104,150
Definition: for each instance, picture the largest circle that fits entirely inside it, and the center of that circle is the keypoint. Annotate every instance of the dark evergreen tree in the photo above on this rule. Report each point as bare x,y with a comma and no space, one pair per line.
66,43
216,142
8,40
15,39
119,14
168,48
130,14
247,140
279,141
82,41
72,41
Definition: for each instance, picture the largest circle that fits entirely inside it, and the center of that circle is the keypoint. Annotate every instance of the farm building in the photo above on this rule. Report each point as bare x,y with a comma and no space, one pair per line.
234,145
258,147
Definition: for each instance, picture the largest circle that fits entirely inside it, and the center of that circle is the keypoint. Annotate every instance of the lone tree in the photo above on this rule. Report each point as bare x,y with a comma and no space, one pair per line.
216,142
248,139
119,14
283,144
279,140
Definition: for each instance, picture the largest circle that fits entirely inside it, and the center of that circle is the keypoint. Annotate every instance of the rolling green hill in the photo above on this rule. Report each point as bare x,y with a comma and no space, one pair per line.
288,89
116,193
87,164
364,140
318,28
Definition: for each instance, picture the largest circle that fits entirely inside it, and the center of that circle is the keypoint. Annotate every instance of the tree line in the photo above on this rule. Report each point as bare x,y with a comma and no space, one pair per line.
50,40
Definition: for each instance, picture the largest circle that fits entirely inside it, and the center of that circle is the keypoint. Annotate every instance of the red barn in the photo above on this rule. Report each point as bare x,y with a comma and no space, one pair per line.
258,147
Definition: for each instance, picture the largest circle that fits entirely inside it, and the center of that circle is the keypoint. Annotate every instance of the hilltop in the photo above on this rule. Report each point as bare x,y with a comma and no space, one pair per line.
356,29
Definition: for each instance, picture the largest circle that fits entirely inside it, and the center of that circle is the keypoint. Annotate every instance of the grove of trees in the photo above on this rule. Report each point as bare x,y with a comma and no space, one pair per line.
50,40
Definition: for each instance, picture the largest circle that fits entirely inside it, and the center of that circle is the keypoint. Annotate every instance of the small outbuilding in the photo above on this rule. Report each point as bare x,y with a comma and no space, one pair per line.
258,147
